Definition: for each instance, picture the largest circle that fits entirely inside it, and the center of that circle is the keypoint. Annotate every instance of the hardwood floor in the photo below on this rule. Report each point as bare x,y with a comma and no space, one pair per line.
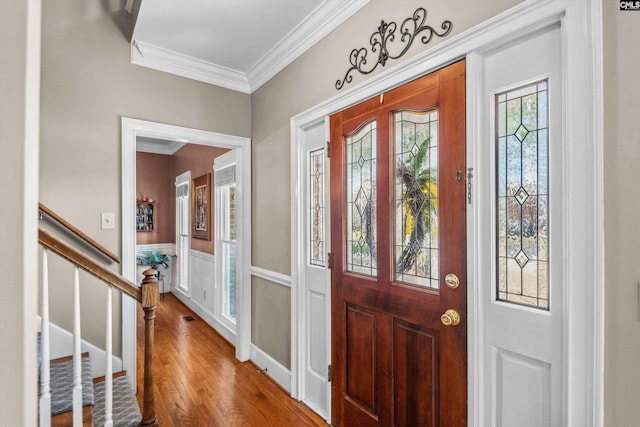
200,383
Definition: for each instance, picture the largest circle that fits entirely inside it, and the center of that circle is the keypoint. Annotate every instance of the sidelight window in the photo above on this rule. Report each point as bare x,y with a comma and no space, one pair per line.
523,195
316,208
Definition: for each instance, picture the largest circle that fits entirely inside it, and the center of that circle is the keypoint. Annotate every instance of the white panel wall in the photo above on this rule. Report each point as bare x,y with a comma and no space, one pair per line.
203,292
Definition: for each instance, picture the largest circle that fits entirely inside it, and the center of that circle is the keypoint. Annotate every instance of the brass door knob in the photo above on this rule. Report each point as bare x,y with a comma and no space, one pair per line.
452,281
450,318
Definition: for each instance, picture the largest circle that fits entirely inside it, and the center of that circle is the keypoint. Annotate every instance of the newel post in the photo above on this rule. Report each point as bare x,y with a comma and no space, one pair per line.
149,300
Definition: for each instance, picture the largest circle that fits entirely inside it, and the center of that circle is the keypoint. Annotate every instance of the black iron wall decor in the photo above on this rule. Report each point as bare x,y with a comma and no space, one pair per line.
382,40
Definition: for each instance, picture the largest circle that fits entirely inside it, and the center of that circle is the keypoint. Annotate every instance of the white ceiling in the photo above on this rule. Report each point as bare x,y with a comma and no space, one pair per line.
238,44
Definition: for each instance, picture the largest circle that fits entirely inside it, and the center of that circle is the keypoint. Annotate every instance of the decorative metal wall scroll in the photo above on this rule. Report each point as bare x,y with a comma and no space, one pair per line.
383,39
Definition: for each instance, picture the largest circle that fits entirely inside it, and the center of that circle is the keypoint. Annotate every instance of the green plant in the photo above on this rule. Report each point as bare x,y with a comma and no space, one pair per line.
153,258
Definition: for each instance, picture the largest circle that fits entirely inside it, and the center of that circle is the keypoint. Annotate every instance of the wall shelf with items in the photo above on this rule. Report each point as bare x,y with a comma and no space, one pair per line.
144,215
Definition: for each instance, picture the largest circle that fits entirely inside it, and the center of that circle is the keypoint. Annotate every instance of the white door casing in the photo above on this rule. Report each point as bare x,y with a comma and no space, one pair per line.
314,291
183,230
582,274
131,129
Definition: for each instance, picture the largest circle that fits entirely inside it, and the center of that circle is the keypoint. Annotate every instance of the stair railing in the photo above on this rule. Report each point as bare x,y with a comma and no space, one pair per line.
147,295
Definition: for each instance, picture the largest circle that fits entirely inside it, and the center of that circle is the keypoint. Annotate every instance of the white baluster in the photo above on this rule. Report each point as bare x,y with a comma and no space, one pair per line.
108,379
45,382
77,356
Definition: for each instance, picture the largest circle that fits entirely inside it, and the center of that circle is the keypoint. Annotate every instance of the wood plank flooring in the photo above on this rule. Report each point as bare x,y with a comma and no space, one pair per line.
199,382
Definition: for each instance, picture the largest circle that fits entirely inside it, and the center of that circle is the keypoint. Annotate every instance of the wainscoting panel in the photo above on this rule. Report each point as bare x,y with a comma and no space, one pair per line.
202,299
202,279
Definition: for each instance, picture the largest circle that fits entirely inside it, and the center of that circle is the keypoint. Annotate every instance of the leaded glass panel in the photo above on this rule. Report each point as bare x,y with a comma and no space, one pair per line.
316,208
522,196
361,201
416,198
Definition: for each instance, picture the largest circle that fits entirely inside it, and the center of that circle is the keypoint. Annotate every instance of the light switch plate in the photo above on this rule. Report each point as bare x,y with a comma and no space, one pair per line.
108,221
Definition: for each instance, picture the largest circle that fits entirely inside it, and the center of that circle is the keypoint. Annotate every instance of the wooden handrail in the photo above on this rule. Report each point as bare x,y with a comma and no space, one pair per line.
88,264
66,224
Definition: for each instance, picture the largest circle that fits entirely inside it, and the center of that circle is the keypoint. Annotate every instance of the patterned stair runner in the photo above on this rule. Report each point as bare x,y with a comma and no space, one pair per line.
126,412
62,384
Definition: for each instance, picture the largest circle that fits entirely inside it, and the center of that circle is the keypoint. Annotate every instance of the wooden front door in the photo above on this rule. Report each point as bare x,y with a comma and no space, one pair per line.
398,237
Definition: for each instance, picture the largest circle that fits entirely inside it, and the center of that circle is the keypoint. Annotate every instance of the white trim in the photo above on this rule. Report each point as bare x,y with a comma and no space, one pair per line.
582,56
584,213
324,19
154,148
272,276
172,62
274,369
131,129
474,296
26,393
297,259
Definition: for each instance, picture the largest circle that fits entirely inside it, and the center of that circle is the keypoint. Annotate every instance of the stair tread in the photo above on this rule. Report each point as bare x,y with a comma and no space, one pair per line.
61,377
125,406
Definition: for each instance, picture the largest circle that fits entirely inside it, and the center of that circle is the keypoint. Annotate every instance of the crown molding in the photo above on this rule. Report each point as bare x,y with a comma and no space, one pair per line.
324,19
319,23
161,59
167,149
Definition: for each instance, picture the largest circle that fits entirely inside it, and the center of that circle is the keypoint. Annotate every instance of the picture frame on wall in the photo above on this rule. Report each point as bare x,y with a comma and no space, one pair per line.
201,207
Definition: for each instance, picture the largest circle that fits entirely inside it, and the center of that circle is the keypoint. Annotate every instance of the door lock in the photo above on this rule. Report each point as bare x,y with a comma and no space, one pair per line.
452,281
450,318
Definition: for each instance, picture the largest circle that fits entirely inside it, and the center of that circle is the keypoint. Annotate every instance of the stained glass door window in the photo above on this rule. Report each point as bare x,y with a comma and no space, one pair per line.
361,201
523,195
416,198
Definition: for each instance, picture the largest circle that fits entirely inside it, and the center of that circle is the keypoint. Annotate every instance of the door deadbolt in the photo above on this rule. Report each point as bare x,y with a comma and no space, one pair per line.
452,281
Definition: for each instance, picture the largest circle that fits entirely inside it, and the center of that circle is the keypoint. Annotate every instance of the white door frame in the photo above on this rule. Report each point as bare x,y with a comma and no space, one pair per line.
299,301
581,22
133,128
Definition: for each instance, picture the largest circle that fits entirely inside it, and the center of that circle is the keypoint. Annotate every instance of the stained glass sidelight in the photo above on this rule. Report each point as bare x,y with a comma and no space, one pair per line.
361,201
416,198
522,195
316,208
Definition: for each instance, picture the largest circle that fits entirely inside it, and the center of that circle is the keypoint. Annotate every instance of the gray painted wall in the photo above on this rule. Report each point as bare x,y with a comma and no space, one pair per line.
622,210
88,85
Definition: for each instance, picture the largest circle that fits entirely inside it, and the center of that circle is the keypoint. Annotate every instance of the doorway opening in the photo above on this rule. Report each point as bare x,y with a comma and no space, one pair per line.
132,131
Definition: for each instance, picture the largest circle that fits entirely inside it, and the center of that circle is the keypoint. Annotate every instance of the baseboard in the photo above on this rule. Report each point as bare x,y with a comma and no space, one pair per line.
61,344
206,315
271,367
